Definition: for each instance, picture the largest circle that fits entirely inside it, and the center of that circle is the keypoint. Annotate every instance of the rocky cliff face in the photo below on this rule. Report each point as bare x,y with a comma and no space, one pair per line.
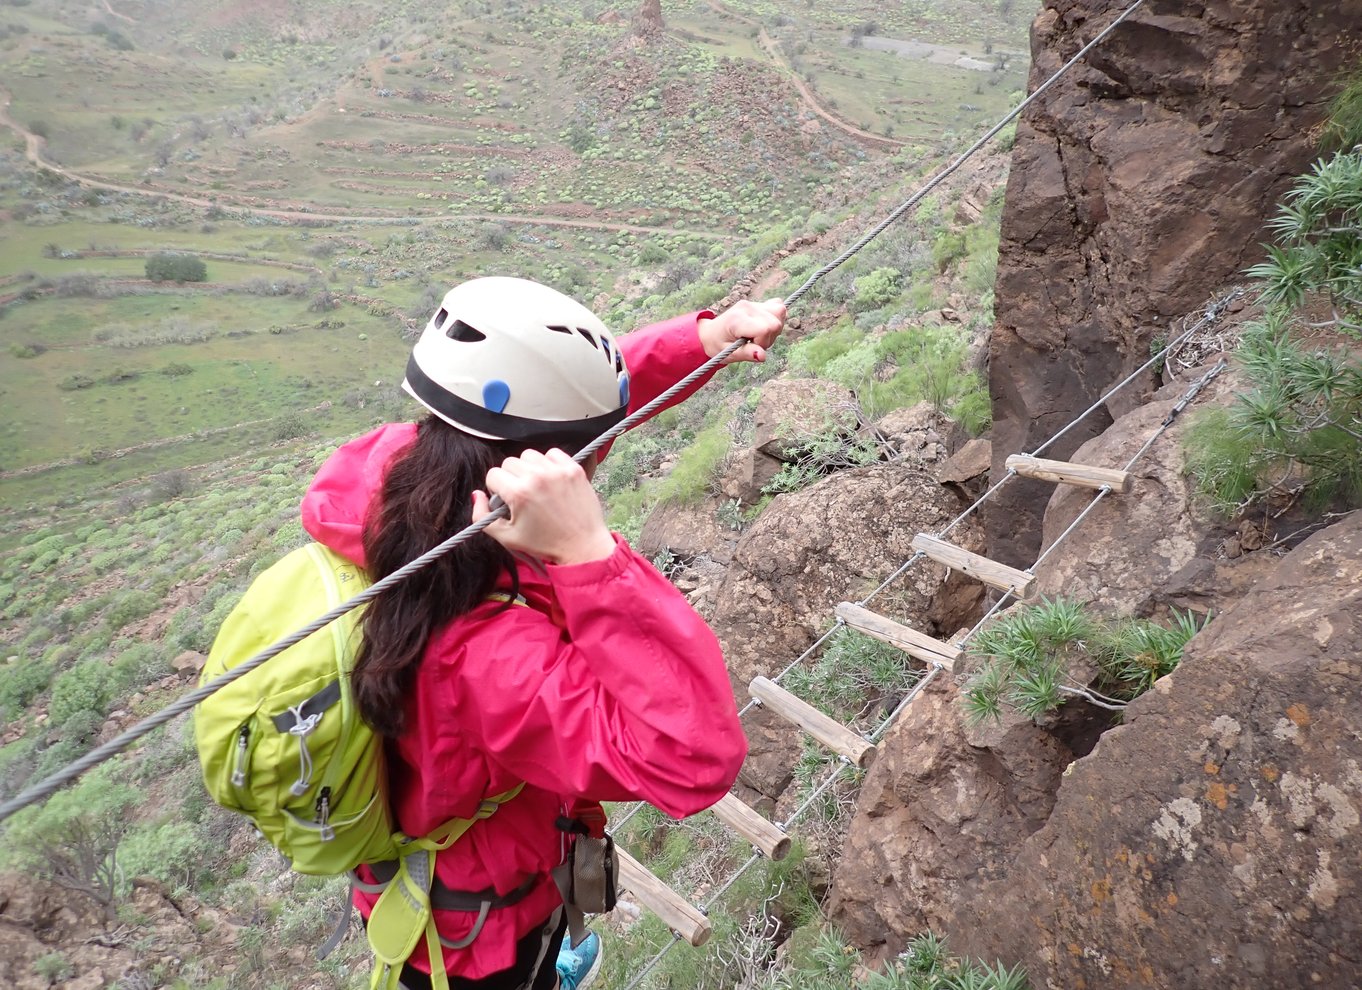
1139,186
1211,840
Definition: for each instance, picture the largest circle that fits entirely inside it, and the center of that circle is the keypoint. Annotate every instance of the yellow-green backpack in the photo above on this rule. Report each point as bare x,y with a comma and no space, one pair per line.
286,746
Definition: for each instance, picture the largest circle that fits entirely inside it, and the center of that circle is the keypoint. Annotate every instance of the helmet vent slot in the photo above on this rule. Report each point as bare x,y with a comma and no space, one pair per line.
561,329
462,332
587,334
440,318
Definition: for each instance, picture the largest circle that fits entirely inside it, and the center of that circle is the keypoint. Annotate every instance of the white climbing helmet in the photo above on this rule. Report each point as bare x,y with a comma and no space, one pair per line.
510,359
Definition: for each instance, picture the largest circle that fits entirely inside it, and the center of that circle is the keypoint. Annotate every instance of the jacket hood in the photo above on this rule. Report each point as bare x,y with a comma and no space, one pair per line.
339,497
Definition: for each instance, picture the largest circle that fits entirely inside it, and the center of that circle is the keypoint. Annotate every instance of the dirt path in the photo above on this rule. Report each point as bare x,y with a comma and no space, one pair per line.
772,48
33,150
113,13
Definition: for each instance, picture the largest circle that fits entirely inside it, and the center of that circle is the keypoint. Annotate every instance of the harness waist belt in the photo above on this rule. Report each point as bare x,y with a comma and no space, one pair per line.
443,898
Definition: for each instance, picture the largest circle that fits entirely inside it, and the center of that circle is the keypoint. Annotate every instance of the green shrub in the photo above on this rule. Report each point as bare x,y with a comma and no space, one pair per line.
948,248
171,852
811,355
130,607
82,688
53,967
852,672
73,837
1296,428
692,478
878,289
168,267
1343,131
21,681
1023,659
810,457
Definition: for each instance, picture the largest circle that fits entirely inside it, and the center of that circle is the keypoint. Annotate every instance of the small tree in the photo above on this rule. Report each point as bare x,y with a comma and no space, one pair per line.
72,840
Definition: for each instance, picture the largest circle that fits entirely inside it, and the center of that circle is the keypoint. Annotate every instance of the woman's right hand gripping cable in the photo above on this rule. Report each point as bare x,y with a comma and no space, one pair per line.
555,514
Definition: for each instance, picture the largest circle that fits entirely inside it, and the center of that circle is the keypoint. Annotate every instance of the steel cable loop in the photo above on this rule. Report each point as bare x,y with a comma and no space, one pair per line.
51,784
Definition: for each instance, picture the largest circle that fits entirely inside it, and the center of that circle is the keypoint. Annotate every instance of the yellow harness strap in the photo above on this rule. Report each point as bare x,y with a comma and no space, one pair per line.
402,915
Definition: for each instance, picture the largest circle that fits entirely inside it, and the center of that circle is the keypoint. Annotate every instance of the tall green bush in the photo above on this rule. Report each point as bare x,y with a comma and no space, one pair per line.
1296,429
167,267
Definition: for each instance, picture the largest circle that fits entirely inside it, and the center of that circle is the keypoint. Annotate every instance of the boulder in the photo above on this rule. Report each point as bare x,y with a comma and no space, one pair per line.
943,810
809,550
966,472
1157,545
188,662
1138,189
687,532
791,409
1215,838
747,474
921,433
831,542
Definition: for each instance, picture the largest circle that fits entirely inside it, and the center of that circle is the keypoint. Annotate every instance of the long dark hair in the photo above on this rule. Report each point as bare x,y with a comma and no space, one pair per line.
426,497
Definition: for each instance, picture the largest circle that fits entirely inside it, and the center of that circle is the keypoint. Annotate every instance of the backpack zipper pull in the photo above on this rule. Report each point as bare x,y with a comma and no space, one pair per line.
326,832
243,739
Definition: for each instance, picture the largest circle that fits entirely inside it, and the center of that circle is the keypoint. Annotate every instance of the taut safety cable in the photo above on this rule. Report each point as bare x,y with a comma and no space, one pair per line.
51,784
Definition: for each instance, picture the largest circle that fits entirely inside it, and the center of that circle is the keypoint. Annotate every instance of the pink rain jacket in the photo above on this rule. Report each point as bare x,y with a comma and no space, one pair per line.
608,687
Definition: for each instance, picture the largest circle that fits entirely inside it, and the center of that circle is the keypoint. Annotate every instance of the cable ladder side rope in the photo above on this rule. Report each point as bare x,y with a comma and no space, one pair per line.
54,782
934,670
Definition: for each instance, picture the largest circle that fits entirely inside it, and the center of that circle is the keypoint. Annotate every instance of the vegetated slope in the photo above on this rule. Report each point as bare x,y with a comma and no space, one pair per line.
98,595
123,562
453,118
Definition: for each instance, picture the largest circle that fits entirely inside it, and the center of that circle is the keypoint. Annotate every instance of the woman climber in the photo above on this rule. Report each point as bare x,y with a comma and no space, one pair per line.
544,654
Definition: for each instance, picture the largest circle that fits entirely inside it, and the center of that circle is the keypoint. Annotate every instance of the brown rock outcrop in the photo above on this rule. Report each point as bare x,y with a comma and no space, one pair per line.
648,22
38,919
828,543
832,542
1139,186
942,811
1213,839
1156,545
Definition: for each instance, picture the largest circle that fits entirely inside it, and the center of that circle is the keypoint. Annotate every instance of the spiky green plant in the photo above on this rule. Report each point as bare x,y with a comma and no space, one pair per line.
1296,430
1022,659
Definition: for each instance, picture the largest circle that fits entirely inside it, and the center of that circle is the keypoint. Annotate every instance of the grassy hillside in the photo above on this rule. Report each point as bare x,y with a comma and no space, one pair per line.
540,139
335,167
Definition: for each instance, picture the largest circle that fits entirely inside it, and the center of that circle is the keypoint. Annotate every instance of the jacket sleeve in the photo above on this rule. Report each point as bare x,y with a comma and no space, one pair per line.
660,355
630,701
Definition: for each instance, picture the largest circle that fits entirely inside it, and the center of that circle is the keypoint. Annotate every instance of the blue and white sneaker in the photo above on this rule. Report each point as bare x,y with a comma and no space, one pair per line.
577,968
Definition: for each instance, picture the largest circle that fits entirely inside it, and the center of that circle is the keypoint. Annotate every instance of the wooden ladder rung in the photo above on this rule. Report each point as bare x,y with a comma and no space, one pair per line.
677,913
908,640
1067,473
829,732
990,572
773,843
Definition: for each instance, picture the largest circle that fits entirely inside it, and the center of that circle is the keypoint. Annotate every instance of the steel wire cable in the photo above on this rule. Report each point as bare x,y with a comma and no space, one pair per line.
51,784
